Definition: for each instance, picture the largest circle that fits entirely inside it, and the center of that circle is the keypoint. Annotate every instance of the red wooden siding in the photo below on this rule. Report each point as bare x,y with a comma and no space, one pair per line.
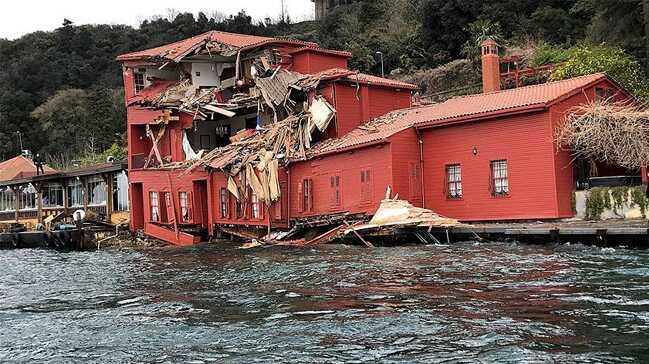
276,214
348,108
354,106
311,62
406,170
348,166
168,185
525,141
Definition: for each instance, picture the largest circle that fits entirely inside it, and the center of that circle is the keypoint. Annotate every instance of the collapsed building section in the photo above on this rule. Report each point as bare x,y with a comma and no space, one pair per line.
216,120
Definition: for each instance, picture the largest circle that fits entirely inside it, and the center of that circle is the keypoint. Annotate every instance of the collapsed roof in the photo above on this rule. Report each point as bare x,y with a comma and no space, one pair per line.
212,42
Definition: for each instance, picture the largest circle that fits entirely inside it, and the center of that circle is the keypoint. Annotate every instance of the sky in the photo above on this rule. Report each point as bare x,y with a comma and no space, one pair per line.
24,16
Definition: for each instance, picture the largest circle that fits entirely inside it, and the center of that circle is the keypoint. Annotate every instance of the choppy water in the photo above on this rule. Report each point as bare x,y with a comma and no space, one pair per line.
459,303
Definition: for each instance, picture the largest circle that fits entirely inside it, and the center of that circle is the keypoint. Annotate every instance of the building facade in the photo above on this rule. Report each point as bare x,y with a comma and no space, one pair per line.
100,190
482,157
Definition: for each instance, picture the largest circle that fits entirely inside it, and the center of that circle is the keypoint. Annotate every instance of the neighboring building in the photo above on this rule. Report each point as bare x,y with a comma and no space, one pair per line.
323,7
101,189
20,167
490,156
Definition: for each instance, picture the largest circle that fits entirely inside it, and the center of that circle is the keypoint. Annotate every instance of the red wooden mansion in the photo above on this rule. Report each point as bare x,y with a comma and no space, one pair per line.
483,157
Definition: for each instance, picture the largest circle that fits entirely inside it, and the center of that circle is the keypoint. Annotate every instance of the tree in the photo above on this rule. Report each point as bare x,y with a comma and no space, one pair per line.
614,61
479,31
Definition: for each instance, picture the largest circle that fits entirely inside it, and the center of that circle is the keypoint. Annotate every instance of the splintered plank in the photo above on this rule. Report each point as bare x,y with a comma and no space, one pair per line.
326,236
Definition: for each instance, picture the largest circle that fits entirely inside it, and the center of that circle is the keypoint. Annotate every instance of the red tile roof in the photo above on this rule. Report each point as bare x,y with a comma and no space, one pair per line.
20,167
355,76
173,50
459,109
480,105
157,88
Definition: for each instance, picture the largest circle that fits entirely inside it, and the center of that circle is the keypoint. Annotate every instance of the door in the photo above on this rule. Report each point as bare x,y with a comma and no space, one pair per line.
137,206
200,202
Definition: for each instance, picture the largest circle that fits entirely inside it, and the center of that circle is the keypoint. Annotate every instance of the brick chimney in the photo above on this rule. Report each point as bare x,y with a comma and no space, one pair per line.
490,66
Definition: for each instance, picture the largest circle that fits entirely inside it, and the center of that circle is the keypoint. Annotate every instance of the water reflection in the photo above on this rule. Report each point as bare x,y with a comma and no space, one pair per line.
459,303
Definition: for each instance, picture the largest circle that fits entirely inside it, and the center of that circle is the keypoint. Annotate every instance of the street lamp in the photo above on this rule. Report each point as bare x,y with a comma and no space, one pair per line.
380,54
20,140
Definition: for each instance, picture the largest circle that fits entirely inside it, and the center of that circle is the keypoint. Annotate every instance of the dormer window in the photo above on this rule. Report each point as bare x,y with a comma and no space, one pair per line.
138,78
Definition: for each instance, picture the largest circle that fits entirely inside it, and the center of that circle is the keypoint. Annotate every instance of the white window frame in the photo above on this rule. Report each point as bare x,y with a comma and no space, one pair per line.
454,181
183,200
500,177
96,191
154,201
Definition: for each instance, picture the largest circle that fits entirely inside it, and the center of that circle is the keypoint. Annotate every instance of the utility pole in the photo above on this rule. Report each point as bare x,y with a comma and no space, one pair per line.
380,54
283,13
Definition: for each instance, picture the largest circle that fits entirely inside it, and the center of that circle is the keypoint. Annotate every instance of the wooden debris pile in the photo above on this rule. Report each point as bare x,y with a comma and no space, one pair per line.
612,133
202,103
254,160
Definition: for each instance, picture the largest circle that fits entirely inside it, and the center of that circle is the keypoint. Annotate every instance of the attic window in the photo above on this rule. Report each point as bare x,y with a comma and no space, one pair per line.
138,78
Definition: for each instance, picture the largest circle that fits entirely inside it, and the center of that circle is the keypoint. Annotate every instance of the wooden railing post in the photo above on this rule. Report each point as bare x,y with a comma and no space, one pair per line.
108,178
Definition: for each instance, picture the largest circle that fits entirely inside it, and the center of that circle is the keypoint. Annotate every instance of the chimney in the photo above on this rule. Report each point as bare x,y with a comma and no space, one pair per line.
490,66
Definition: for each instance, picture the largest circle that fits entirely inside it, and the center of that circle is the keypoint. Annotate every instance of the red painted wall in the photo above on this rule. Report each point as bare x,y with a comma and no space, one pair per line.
347,165
406,169
313,62
383,100
525,141
167,181
357,106
277,213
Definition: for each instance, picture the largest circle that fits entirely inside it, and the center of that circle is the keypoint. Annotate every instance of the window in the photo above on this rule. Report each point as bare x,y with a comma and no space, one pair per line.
366,185
138,78
335,190
27,197
96,191
604,94
7,200
155,206
184,206
256,207
53,195
75,194
499,176
120,192
307,195
454,181
224,203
